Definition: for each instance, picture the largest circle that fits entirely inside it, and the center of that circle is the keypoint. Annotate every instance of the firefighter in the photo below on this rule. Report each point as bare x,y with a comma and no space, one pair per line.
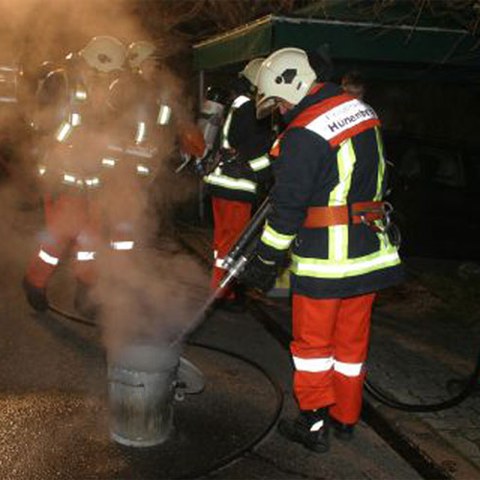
234,184
143,58
328,206
158,123
141,138
73,114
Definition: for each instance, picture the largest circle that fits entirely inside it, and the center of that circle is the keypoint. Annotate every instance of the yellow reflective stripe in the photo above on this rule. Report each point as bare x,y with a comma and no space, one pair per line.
348,369
312,364
164,115
141,132
64,131
338,234
80,93
143,169
71,179
231,183
259,163
75,119
238,102
92,182
109,162
381,165
276,240
226,128
313,267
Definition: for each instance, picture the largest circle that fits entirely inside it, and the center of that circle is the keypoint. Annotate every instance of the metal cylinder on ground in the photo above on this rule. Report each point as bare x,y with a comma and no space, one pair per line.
141,385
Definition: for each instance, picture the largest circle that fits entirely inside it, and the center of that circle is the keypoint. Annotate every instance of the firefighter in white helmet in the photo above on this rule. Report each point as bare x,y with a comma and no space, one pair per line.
328,208
143,137
73,113
145,59
234,185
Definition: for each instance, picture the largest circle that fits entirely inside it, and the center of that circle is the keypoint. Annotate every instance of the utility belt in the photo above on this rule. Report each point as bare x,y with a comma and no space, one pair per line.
355,213
376,215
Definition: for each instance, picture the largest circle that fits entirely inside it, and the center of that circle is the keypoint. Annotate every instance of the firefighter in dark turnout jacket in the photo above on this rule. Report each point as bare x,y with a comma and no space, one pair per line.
328,208
74,113
234,183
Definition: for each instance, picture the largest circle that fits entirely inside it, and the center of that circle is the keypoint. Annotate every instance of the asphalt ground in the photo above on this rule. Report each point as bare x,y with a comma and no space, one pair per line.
424,347
55,415
54,420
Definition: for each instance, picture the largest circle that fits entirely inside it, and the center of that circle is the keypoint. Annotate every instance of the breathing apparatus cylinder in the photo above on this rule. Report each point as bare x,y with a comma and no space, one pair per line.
211,117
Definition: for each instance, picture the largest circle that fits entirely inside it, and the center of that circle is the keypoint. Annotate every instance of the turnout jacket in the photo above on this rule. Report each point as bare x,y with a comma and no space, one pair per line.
73,116
244,162
139,129
330,154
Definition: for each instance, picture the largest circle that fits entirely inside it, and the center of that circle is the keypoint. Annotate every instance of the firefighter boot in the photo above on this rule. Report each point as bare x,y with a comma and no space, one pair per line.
342,431
310,429
36,297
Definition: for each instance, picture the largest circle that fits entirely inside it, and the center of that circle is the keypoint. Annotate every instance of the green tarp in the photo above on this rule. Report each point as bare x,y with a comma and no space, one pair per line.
380,47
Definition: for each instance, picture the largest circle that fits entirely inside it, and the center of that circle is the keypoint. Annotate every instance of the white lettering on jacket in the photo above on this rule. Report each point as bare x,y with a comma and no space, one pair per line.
341,118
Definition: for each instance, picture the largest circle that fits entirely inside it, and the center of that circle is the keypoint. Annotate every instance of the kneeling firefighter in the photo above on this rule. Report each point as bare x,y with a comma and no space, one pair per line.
327,206
234,184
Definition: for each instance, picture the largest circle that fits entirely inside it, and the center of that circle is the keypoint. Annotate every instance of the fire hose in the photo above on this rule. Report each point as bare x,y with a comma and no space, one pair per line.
249,446
235,262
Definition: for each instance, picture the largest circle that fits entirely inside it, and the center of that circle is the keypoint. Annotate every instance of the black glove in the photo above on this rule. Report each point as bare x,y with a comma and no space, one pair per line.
236,168
260,273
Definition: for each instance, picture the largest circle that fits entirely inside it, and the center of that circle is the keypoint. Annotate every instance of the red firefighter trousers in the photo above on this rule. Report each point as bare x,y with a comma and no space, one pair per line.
72,222
329,348
230,218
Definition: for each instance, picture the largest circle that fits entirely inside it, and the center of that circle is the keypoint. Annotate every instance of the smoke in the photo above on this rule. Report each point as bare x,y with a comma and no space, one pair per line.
148,297
147,293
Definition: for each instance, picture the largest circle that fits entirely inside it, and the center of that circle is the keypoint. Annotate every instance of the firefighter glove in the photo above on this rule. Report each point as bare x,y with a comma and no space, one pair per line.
236,168
260,273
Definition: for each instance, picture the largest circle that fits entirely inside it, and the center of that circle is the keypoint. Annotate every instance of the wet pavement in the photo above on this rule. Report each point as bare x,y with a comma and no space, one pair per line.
54,401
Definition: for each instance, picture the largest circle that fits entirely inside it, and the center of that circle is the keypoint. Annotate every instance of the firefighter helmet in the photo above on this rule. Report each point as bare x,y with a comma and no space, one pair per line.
104,53
138,52
285,75
251,69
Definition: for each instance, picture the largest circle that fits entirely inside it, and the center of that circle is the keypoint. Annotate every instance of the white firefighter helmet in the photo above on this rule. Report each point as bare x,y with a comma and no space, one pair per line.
251,69
104,53
285,75
138,52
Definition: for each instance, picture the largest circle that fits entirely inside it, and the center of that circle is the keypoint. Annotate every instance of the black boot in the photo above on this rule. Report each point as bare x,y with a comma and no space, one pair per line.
310,429
342,431
36,297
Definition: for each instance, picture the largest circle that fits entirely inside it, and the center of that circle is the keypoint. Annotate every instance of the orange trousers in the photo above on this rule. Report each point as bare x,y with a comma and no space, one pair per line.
230,218
329,349
72,224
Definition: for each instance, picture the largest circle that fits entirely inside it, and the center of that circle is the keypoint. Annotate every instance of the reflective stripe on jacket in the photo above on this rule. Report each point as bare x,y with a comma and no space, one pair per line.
250,139
330,154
